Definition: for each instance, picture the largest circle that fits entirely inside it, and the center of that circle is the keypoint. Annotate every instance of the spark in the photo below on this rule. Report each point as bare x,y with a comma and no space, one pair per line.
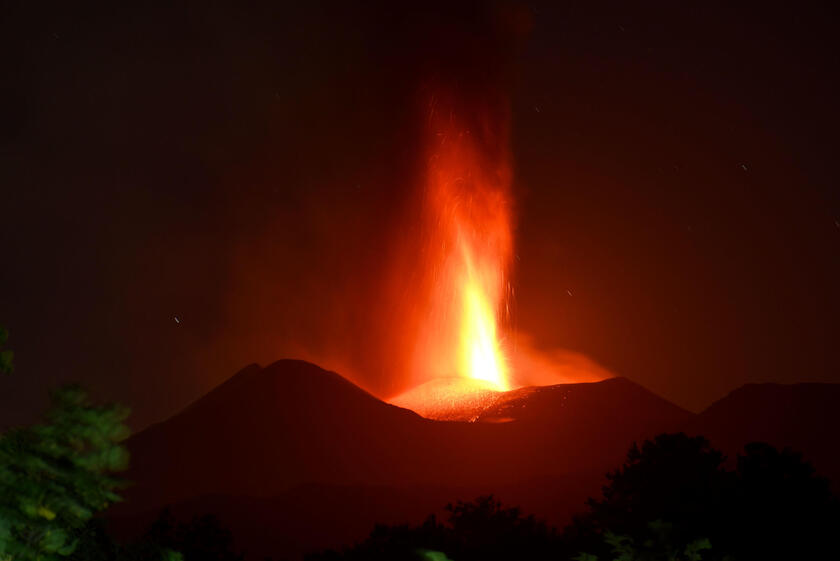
177,320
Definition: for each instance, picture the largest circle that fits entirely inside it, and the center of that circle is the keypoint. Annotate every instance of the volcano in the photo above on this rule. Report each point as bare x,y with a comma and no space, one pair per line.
294,458
268,429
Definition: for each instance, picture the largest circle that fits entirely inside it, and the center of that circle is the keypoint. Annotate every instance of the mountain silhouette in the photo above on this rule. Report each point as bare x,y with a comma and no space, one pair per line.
804,417
294,458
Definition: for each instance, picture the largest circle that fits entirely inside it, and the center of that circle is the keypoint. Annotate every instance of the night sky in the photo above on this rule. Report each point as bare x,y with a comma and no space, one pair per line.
245,169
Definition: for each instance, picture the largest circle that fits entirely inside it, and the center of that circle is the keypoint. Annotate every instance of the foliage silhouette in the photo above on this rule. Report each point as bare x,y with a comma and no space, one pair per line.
481,529
673,499
658,547
54,477
95,544
780,509
683,481
201,539
674,477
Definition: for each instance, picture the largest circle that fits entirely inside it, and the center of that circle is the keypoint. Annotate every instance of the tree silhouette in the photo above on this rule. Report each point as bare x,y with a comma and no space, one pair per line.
482,529
781,509
671,500
772,506
674,478
54,477
95,544
201,539
659,546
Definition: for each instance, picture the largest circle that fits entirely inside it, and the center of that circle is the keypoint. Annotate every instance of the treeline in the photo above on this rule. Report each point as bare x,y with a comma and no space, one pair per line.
201,539
672,499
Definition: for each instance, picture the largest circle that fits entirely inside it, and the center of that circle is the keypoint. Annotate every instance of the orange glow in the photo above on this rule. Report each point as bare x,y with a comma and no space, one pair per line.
469,248
480,355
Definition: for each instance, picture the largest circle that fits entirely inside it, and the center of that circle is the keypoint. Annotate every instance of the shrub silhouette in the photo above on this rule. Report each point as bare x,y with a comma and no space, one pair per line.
478,530
674,478
201,539
659,546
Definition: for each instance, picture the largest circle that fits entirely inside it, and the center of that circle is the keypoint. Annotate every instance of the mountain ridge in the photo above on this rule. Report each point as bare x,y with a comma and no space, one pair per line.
266,435
267,429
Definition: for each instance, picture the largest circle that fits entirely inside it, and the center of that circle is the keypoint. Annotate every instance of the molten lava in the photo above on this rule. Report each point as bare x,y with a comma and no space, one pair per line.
467,224
480,355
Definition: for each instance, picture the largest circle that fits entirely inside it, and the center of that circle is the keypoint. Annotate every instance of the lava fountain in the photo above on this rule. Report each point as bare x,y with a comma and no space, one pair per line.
470,207
467,251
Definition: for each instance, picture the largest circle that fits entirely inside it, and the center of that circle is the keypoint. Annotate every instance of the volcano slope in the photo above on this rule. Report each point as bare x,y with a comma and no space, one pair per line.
294,458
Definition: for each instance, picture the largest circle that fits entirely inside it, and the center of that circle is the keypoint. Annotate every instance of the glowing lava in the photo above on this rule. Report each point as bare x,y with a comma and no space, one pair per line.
468,249
481,358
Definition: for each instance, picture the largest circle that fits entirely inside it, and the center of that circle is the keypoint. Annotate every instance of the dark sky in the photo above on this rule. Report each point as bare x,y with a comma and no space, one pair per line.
246,168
